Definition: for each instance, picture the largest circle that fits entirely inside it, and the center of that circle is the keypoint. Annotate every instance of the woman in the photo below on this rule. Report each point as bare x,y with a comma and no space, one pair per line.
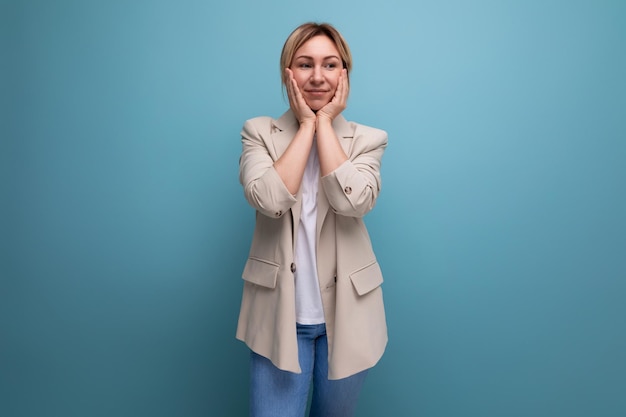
312,308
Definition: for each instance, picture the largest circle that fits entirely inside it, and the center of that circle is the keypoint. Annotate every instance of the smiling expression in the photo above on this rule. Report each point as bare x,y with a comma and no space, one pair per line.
316,67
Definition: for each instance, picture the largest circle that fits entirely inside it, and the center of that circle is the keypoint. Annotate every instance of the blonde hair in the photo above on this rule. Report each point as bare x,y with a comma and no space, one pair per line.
307,31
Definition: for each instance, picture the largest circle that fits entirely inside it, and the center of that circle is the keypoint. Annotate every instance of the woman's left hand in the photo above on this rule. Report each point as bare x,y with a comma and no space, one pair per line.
339,101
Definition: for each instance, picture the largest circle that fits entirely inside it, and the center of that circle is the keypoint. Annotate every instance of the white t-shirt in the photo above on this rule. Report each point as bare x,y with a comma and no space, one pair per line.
309,308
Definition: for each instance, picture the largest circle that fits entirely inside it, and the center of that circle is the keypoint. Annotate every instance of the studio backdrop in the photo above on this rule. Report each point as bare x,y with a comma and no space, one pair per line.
500,228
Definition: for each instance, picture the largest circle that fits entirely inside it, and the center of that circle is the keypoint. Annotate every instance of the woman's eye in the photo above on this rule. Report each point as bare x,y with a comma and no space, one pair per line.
331,66
303,65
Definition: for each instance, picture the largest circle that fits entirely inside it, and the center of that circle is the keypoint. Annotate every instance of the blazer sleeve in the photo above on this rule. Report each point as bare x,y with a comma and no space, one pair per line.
263,188
352,188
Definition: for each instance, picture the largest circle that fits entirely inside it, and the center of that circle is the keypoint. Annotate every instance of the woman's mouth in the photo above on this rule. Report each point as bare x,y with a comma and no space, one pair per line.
316,93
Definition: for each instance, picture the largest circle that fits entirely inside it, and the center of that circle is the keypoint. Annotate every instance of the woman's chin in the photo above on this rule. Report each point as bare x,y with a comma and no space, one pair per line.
315,105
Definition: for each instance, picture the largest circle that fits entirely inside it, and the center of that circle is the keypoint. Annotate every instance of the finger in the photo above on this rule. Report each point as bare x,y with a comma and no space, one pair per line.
288,81
293,86
300,97
339,96
292,89
344,89
344,85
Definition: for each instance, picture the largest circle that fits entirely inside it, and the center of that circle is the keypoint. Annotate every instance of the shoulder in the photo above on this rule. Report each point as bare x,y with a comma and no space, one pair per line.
259,120
258,123
285,121
258,128
369,130
367,133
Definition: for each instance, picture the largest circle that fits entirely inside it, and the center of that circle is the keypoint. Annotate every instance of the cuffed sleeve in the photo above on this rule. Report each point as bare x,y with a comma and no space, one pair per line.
263,188
352,188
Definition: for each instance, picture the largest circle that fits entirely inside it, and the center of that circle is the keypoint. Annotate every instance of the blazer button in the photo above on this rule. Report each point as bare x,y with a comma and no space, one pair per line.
293,267
278,213
348,190
335,277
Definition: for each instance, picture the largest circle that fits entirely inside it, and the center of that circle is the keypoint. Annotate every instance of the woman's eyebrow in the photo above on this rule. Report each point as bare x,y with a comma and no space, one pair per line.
310,57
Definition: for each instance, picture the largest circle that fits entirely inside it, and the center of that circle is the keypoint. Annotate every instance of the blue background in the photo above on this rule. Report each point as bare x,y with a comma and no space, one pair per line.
500,228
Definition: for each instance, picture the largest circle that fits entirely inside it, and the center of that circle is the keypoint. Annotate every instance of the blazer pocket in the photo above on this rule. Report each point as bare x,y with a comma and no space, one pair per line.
261,272
367,278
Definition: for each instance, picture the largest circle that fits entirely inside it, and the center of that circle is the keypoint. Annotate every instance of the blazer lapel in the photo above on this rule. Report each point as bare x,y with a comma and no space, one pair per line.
283,131
345,134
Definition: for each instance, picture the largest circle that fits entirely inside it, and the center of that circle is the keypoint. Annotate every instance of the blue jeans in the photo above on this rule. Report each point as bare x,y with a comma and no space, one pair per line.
277,393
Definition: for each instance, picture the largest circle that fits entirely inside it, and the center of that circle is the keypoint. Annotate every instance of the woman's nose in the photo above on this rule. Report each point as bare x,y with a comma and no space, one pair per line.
317,75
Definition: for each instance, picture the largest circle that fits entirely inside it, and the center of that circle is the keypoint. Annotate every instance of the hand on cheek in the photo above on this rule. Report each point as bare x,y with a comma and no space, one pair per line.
339,100
298,105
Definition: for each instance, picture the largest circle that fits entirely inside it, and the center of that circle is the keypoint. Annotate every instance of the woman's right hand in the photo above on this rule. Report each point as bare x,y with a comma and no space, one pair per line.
298,105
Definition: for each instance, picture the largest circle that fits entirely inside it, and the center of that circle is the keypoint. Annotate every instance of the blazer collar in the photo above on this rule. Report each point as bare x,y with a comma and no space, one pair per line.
288,121
285,128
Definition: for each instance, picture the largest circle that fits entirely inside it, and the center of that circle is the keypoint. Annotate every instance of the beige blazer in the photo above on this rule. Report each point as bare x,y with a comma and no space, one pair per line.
349,274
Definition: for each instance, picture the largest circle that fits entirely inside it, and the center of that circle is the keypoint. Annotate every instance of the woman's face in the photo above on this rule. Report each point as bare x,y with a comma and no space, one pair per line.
316,67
